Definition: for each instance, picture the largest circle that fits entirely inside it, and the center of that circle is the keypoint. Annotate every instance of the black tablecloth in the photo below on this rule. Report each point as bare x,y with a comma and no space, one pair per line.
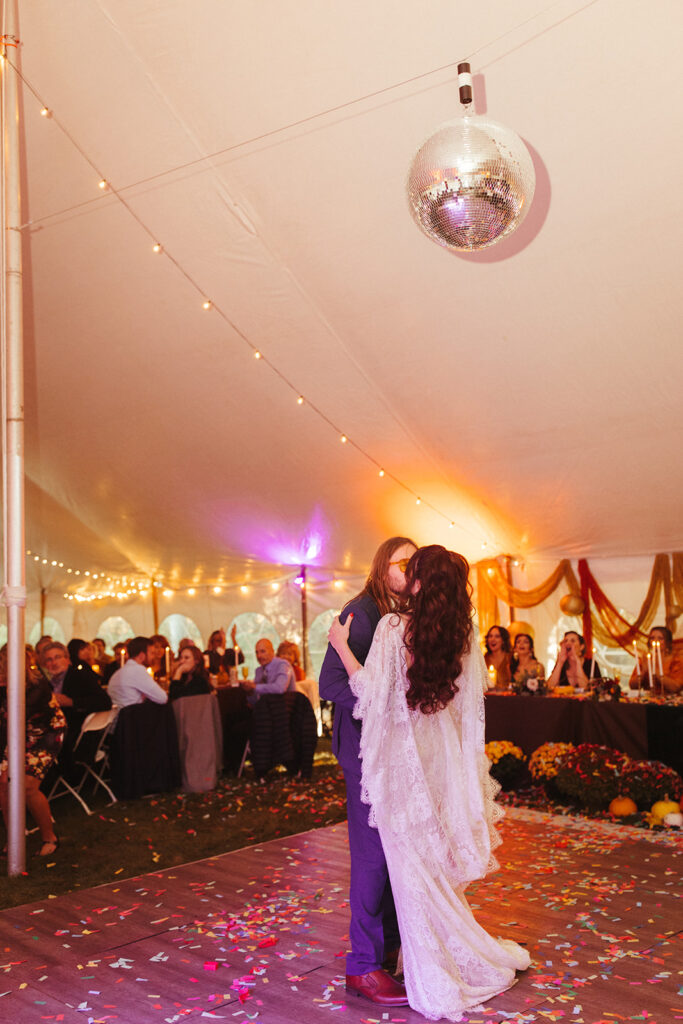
643,731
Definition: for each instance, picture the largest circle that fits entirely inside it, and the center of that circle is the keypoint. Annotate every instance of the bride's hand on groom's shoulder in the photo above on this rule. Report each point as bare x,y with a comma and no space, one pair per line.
338,635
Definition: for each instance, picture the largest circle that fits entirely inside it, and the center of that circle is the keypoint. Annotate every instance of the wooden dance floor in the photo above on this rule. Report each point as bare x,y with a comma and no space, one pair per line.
260,934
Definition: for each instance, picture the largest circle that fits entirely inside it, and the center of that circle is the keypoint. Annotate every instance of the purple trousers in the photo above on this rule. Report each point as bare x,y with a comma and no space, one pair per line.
374,927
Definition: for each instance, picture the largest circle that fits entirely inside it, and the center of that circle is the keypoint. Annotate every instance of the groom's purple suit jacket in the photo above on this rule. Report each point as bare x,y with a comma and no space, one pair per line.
334,681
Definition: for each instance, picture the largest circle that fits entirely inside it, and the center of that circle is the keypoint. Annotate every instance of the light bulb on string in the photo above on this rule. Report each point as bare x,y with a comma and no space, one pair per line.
343,439
300,400
156,247
381,472
103,184
206,304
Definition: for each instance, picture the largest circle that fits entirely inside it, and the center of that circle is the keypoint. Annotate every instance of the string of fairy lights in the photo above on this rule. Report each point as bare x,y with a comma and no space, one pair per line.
104,185
133,586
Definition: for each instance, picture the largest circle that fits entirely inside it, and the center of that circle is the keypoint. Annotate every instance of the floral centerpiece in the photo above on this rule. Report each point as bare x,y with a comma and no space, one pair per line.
528,683
649,781
508,762
591,775
606,689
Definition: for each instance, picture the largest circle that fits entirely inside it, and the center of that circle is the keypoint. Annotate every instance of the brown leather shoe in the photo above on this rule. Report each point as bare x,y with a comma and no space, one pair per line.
379,987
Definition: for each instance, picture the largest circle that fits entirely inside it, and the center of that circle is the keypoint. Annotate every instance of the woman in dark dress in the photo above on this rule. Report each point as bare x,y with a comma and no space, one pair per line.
45,727
190,677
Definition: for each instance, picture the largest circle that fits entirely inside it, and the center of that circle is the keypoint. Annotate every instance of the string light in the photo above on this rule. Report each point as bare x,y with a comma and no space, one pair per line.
418,501
167,593
191,591
217,590
257,354
300,400
244,589
44,112
206,304
381,472
103,184
157,247
343,439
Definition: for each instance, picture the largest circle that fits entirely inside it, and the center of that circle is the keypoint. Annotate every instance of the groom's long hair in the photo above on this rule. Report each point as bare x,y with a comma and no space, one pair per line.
439,626
376,585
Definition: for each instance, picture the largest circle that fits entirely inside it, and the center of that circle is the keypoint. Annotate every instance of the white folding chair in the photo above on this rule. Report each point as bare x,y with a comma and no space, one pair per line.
245,755
102,722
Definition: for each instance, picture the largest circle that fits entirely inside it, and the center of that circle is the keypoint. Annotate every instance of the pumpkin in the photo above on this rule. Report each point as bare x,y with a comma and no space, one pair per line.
663,807
622,806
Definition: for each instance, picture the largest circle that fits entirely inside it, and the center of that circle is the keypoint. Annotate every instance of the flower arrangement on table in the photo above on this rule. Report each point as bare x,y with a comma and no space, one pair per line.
528,683
590,775
508,762
606,689
648,781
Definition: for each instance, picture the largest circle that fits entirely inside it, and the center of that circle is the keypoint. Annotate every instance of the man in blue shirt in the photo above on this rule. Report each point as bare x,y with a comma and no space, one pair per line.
274,675
373,933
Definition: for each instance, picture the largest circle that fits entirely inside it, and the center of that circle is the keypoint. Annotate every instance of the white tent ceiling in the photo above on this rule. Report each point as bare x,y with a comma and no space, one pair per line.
529,393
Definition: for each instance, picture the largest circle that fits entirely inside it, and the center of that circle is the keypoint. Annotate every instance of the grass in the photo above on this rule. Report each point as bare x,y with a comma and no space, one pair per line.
138,836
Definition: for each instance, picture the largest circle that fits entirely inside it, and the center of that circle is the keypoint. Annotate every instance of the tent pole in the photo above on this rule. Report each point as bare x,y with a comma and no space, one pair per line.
304,623
43,605
14,591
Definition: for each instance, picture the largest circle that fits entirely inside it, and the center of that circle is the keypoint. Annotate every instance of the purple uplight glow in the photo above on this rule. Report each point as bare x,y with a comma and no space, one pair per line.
284,549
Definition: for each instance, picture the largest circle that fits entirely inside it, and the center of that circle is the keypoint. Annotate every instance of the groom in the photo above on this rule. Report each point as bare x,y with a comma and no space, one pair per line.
374,934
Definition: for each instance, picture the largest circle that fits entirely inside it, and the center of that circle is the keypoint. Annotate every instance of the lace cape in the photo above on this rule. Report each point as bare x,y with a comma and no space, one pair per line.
427,776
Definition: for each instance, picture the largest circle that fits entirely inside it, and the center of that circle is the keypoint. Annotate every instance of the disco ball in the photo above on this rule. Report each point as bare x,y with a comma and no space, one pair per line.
471,183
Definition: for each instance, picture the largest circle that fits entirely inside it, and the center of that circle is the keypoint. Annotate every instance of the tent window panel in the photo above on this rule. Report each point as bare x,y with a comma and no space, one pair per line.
177,627
50,628
115,630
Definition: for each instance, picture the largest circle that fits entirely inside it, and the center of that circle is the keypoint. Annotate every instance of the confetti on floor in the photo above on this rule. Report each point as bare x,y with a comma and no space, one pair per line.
259,935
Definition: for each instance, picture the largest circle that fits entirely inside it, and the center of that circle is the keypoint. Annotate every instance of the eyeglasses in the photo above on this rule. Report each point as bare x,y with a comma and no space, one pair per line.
402,564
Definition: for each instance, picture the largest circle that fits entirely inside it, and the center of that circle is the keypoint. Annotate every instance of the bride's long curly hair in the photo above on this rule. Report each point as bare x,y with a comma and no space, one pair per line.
439,626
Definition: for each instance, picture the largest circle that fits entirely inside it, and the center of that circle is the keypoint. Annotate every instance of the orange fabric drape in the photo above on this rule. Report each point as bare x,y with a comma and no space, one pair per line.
608,625
492,586
602,620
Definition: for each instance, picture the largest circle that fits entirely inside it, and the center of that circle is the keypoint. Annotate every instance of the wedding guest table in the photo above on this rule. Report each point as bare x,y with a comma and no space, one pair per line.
641,729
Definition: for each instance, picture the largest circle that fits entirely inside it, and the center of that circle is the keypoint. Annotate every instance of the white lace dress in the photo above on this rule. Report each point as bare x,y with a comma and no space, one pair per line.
426,778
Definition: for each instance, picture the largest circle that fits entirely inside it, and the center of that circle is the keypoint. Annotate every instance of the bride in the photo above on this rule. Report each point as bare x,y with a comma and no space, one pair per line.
425,775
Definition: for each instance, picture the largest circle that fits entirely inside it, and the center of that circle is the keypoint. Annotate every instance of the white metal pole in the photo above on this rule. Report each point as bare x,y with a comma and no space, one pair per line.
14,590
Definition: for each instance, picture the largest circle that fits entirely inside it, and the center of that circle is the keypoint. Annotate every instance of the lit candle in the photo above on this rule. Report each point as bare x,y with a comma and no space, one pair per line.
649,668
659,657
493,675
122,656
637,657
592,663
168,661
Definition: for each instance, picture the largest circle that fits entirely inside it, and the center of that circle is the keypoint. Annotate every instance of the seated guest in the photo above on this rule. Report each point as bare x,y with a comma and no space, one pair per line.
190,677
671,679
572,668
40,648
274,675
81,653
102,659
219,656
290,651
77,690
132,684
156,655
498,654
45,727
524,663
